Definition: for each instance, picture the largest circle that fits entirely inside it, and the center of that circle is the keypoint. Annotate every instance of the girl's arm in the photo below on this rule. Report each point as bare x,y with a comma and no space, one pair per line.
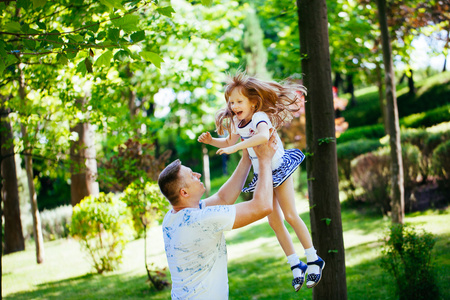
206,138
263,135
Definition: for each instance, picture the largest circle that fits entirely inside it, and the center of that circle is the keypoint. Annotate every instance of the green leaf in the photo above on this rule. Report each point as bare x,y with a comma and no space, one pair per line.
81,68
127,23
114,34
30,44
166,11
327,221
3,54
95,26
152,57
76,38
38,3
41,25
137,36
71,53
101,35
104,59
12,27
113,4
207,3
88,64
25,4
121,55
62,58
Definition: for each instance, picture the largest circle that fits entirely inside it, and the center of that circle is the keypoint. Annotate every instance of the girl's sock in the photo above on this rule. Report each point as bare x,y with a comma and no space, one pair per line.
293,260
310,257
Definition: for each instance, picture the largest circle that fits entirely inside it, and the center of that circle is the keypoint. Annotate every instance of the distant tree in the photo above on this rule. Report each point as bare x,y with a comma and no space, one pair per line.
397,188
14,240
83,161
256,54
321,161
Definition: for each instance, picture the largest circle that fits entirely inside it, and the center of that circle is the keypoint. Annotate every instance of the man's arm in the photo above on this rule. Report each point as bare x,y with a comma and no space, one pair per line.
261,204
229,192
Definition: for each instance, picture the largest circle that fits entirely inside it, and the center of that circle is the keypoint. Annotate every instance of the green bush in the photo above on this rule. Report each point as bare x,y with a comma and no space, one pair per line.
406,255
55,222
364,132
372,173
146,203
428,118
441,163
346,152
103,226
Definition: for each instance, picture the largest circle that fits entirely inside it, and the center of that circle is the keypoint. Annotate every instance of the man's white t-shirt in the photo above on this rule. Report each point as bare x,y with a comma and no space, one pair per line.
196,251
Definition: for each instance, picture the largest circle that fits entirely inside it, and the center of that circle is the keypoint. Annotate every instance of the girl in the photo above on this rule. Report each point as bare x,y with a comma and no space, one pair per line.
254,108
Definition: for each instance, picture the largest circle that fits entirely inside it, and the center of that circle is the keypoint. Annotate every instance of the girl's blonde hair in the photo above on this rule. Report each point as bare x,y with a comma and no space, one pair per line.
277,100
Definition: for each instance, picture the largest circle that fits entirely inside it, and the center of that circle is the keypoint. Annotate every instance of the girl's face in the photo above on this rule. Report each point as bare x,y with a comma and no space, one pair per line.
241,105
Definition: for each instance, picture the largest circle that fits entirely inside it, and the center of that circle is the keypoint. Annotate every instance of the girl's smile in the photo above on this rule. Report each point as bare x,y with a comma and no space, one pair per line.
241,105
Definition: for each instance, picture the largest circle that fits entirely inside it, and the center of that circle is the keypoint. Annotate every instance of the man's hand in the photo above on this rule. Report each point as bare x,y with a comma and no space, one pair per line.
267,150
205,138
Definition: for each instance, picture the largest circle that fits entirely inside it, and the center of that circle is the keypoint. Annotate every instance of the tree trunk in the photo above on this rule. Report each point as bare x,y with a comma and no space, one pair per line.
338,82
412,89
381,97
351,90
37,227
398,202
206,176
446,51
14,240
84,163
321,164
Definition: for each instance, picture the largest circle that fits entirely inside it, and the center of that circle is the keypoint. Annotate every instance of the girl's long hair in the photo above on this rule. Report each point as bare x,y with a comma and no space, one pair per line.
278,100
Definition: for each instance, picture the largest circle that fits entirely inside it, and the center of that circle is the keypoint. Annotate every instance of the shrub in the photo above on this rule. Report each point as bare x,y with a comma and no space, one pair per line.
428,118
406,255
146,203
54,223
363,132
346,152
372,173
441,163
147,206
102,224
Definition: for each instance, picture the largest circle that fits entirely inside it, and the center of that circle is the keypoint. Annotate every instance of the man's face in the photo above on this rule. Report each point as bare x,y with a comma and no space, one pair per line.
192,181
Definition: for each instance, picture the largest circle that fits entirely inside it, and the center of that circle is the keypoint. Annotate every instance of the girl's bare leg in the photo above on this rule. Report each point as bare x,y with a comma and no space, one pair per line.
286,198
276,221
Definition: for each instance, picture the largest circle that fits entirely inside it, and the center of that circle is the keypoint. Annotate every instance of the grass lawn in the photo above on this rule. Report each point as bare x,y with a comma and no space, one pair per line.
257,266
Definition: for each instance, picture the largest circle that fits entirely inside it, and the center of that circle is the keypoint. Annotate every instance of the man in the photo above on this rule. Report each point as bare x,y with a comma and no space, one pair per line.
193,230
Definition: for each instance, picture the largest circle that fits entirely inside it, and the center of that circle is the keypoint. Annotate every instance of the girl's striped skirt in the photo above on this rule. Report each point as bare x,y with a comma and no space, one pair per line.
292,158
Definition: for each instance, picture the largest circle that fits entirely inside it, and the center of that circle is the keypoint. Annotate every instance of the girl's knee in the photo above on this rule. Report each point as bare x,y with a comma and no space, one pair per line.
292,218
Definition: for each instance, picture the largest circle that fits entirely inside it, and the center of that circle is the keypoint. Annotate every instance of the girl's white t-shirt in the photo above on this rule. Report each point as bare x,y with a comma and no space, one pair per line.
248,130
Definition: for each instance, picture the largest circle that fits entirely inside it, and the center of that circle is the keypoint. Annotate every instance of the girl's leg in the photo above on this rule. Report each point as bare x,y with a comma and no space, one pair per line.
286,197
276,221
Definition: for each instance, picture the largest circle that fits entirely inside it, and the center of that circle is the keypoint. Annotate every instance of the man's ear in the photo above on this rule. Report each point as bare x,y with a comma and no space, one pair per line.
184,193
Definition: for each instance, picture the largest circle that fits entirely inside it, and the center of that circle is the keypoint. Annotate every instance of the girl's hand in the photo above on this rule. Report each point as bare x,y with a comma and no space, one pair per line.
205,138
227,150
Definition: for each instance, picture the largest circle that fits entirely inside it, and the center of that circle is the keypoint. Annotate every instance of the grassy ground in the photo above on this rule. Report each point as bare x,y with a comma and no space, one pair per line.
257,267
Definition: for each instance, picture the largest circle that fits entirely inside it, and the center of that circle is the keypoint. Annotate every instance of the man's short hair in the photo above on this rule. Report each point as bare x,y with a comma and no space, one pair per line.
169,181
